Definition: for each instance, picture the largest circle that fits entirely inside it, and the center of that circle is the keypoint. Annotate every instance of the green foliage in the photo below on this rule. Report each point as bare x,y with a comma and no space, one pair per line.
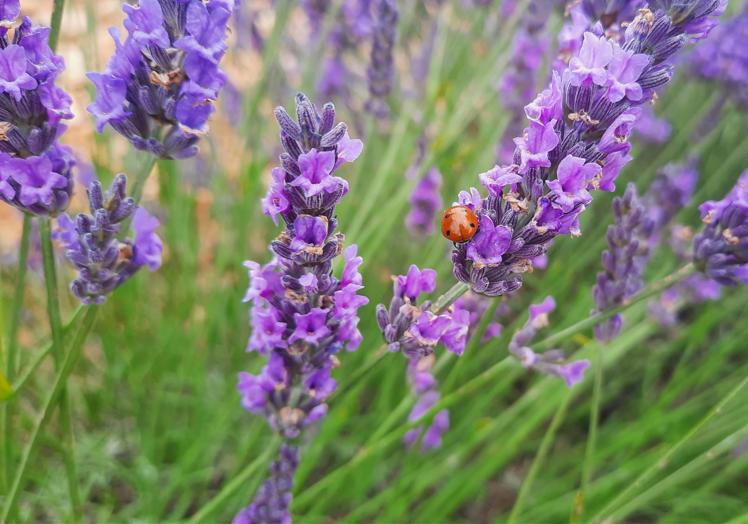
160,434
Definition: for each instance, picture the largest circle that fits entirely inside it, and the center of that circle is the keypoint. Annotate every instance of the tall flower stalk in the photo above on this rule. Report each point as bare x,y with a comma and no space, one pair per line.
576,142
36,177
381,71
302,315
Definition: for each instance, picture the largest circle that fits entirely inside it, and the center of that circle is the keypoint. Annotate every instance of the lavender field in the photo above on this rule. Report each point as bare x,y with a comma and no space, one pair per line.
397,261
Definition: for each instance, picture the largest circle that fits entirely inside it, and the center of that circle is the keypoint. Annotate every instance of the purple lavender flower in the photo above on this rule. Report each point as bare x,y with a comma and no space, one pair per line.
381,69
302,316
413,328
158,88
671,191
552,362
598,16
577,119
424,387
425,203
639,223
721,248
273,499
651,128
35,170
723,58
93,246
519,81
624,261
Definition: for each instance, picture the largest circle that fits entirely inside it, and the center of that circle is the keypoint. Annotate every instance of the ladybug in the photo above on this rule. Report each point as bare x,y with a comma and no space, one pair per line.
459,224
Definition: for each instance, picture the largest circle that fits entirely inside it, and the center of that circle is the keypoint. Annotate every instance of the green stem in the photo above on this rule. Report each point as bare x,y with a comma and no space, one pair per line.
52,397
55,324
55,23
655,289
15,321
136,189
545,445
488,375
15,318
589,453
612,508
448,298
37,359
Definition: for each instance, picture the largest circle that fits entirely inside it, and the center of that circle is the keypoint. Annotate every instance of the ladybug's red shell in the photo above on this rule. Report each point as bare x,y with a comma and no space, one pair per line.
459,224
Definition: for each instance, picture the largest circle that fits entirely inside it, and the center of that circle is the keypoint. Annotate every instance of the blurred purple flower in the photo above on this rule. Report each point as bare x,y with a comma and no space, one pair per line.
425,203
721,248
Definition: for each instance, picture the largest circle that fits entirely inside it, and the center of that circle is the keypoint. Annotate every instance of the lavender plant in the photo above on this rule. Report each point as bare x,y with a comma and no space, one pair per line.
576,142
519,81
92,242
381,70
159,86
35,169
723,61
302,315
624,261
415,330
552,362
425,203
720,250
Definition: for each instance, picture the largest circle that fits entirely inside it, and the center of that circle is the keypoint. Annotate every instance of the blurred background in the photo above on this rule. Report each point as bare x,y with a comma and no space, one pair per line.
160,433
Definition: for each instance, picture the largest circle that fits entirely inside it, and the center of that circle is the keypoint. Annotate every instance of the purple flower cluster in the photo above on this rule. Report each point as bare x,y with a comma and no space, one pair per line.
724,58
720,250
414,329
424,386
35,169
93,245
381,71
302,315
576,141
639,223
671,190
600,17
552,362
274,497
606,18
352,27
624,261
425,203
158,88
518,83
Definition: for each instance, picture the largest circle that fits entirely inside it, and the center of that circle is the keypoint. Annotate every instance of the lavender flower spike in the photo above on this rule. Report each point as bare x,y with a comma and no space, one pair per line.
35,170
425,203
551,362
576,142
424,386
721,248
158,88
414,330
381,69
92,242
302,316
624,261
274,496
